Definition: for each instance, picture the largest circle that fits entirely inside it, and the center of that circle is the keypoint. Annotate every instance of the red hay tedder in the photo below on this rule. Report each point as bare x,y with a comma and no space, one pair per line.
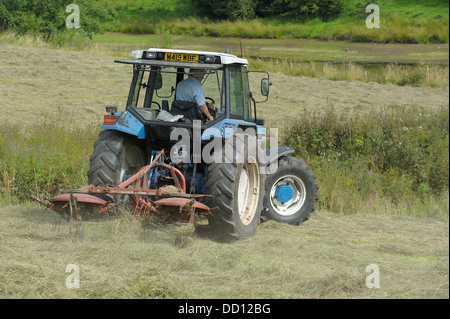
171,202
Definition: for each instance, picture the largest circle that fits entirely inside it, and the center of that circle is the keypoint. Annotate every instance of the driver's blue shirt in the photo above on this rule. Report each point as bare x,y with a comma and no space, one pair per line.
191,90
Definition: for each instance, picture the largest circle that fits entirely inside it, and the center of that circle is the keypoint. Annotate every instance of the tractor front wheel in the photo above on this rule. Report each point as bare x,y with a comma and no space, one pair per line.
291,192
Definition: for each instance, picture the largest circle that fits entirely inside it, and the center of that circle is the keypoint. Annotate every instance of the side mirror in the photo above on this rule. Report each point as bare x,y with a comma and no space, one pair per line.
265,86
158,82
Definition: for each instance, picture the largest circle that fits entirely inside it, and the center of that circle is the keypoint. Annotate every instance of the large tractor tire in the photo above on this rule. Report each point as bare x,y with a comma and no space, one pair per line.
291,192
115,158
238,190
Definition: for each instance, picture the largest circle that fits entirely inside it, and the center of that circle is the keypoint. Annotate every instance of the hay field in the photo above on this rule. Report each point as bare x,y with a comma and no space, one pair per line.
39,80
326,257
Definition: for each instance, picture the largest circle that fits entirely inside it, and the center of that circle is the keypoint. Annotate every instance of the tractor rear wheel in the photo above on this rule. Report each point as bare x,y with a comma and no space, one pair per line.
238,190
291,192
115,158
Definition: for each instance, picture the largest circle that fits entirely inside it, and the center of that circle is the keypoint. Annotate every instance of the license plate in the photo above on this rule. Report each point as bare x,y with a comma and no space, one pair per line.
181,57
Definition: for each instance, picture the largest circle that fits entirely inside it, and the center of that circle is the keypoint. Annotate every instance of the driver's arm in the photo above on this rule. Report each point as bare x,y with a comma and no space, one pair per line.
205,111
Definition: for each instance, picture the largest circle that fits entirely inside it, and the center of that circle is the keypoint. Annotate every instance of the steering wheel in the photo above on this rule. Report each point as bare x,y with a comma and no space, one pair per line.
212,112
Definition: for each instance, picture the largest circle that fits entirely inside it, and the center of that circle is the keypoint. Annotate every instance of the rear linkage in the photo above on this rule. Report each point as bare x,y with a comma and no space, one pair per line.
172,201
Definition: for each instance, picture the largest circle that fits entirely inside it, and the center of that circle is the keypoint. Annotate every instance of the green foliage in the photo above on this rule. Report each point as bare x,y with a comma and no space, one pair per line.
300,8
399,154
10,14
226,9
48,17
401,21
35,159
246,9
166,38
419,30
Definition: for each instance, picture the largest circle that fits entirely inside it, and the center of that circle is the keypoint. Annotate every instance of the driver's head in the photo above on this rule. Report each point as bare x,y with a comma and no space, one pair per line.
197,73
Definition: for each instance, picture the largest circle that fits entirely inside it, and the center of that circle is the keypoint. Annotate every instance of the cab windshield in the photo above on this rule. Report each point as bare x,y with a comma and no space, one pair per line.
154,88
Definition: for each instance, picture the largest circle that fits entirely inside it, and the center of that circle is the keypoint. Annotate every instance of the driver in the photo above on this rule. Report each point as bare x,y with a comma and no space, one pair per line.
191,90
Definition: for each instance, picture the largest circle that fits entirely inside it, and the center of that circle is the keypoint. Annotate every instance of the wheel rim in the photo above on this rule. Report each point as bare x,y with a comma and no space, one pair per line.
248,191
296,196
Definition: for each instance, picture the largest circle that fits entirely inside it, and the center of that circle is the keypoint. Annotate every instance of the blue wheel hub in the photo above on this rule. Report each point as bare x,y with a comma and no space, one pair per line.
284,193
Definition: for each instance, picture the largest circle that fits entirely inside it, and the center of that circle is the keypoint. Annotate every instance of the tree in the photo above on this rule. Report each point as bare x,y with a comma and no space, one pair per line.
247,9
48,17
227,9
306,8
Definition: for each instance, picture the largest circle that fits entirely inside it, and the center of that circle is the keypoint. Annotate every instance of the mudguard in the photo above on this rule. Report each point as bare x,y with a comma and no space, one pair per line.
127,123
226,128
274,154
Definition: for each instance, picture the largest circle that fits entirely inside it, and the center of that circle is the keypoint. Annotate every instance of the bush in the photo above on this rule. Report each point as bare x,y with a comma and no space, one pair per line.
32,160
397,153
48,18
324,9
226,9
248,9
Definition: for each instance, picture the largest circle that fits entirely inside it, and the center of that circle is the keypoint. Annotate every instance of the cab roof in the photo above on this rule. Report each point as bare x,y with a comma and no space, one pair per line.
182,58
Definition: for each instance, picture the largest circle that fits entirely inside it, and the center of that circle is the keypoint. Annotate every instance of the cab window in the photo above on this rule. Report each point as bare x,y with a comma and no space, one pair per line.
239,108
154,89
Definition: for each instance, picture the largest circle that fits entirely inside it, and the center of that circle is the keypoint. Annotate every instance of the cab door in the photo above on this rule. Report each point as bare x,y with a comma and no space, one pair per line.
239,88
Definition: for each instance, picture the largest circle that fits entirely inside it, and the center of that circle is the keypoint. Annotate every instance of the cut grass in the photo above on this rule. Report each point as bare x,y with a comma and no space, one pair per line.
414,75
326,257
412,65
417,65
284,49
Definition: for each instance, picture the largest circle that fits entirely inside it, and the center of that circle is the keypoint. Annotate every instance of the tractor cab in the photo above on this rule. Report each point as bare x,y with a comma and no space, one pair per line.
153,89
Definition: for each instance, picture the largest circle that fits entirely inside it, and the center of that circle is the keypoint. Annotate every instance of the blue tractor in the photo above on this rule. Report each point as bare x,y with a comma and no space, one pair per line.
266,184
